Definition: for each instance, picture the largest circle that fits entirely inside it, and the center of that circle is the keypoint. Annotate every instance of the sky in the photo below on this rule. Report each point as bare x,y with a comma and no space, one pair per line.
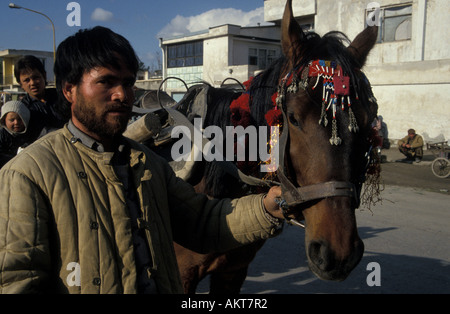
142,22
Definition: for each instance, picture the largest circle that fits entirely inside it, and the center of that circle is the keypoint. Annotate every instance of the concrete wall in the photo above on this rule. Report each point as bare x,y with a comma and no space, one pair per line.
410,78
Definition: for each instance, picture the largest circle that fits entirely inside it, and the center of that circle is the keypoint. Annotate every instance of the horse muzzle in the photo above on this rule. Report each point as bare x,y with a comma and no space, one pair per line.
325,264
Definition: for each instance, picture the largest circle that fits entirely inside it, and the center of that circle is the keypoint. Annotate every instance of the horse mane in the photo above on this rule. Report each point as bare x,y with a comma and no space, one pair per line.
331,46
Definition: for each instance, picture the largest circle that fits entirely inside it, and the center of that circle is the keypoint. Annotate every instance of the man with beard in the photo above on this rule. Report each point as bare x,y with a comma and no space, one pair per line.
94,212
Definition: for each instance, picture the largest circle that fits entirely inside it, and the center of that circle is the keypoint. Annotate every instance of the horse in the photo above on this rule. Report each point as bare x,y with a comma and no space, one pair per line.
321,100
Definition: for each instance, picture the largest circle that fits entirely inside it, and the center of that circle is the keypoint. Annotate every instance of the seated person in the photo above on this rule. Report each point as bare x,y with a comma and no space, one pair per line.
14,122
411,146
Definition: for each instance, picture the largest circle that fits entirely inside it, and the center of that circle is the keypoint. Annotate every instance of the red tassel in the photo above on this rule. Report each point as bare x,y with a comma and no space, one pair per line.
240,111
248,83
274,117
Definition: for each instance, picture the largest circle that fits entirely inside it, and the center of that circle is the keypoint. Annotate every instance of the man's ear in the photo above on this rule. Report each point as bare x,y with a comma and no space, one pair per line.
69,91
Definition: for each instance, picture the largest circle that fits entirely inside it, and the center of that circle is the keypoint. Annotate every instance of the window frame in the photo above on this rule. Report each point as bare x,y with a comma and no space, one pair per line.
382,28
255,56
185,54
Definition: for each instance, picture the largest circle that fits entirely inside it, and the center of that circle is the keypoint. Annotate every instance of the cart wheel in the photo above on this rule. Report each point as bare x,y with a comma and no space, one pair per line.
441,167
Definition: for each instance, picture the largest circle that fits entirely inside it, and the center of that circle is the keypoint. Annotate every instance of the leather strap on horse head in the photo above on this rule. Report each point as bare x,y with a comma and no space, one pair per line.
293,195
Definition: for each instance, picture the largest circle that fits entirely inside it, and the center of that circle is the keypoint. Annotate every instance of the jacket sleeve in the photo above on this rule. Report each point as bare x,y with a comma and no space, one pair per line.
206,225
418,142
24,249
402,141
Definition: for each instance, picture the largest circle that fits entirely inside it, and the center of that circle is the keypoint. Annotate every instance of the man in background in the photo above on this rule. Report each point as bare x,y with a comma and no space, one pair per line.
411,146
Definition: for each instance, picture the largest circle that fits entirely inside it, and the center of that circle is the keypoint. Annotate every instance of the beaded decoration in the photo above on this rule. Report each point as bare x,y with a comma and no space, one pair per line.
335,92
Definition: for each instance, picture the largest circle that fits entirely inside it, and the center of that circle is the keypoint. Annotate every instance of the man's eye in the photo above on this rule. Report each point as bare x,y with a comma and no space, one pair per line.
104,82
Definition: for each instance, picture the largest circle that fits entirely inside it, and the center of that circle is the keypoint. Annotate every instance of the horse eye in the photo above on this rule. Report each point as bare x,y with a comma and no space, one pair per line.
293,120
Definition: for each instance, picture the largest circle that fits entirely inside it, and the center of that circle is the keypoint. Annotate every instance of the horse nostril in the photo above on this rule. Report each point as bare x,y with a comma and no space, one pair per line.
320,255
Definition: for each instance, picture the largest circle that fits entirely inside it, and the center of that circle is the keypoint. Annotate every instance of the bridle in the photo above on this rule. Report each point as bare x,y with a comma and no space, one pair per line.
293,195
297,195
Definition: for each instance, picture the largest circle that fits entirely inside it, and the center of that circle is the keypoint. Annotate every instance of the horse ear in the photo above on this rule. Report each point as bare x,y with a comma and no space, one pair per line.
291,34
363,43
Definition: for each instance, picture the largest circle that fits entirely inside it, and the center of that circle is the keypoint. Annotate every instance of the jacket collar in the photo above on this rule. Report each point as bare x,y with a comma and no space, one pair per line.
95,149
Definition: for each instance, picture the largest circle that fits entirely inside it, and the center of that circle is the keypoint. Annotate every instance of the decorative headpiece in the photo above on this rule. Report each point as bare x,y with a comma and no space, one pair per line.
335,92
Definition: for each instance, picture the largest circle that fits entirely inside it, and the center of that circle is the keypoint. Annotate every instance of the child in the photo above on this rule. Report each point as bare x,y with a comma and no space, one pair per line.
14,121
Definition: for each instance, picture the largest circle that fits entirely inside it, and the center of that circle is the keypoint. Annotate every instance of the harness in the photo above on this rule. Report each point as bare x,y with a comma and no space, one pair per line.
336,92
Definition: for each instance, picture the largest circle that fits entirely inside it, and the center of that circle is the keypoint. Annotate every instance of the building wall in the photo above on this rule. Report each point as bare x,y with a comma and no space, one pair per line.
8,71
216,59
410,77
225,55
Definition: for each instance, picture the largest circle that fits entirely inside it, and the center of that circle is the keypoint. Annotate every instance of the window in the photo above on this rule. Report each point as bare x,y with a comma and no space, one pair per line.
395,23
185,55
262,58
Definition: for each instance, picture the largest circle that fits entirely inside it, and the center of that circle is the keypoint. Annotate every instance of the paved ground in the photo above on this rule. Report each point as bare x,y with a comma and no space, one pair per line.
412,175
407,235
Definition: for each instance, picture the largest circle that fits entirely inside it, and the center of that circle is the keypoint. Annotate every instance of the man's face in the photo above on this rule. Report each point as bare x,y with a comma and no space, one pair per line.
411,135
102,101
33,82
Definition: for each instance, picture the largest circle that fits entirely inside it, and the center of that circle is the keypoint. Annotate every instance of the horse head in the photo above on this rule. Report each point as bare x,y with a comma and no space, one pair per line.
328,108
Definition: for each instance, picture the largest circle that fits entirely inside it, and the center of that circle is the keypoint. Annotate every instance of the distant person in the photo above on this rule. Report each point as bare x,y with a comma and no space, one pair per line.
31,75
13,121
382,130
411,146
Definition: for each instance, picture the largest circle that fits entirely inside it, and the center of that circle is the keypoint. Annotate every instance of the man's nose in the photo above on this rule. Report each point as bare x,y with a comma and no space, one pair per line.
121,94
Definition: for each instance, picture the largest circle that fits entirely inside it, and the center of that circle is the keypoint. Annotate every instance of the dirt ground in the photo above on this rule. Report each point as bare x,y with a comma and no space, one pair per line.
412,175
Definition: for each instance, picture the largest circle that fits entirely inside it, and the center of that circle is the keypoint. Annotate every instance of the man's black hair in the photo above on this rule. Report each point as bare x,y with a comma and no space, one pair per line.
87,49
29,62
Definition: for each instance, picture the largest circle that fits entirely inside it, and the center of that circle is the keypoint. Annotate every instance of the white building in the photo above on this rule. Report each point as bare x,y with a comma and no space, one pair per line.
409,68
227,51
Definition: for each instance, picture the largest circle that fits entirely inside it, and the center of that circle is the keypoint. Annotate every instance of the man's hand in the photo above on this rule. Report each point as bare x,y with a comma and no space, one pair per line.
270,204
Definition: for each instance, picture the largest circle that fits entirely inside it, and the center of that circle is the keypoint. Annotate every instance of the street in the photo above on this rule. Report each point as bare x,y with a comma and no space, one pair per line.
407,235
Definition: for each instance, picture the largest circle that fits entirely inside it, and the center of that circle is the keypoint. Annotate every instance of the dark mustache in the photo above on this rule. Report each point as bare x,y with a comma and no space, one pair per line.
118,107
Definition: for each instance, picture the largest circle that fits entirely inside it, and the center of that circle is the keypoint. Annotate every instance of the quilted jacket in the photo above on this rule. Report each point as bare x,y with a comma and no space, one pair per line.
64,225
